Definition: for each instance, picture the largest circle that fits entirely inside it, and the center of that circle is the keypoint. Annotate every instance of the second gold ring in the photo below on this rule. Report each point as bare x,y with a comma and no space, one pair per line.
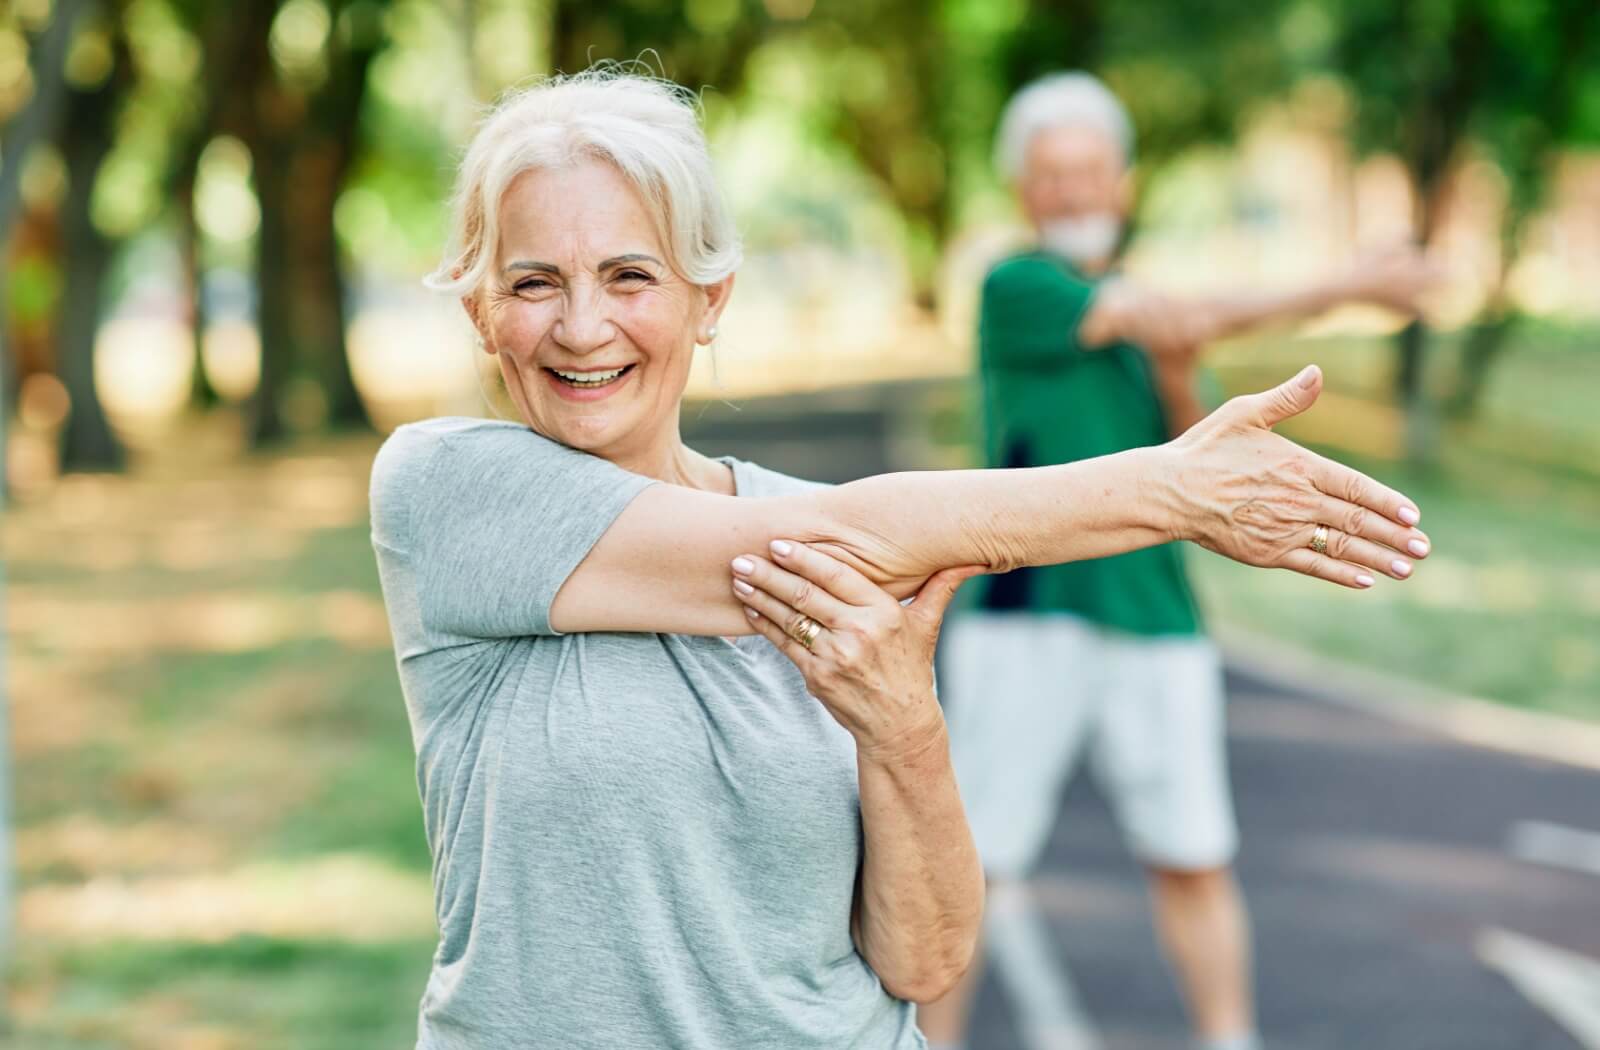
1319,540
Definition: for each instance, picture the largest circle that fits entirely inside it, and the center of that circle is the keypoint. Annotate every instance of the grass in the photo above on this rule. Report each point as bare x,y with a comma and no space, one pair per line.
218,838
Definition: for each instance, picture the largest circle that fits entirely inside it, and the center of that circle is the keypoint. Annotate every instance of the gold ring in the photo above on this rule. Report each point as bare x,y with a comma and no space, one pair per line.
1319,540
806,632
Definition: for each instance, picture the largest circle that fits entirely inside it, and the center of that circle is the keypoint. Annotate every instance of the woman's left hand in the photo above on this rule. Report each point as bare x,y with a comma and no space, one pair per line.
870,660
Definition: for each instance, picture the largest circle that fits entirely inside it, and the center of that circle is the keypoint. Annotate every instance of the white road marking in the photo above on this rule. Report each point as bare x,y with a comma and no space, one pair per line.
1048,1013
1555,845
1564,984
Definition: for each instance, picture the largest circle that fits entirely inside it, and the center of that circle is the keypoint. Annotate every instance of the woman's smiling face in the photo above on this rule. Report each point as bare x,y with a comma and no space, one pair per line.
593,330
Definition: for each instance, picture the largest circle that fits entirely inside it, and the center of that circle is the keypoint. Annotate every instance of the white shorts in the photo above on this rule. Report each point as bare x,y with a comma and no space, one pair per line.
1025,694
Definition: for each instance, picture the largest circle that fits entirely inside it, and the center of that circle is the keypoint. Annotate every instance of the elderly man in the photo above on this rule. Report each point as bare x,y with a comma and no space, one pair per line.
1106,658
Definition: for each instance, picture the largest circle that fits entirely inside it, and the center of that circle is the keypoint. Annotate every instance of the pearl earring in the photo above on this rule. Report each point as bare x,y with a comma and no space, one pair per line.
711,333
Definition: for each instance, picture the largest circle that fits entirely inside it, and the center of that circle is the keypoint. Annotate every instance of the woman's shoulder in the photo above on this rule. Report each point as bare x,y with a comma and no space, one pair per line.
412,446
454,429
449,458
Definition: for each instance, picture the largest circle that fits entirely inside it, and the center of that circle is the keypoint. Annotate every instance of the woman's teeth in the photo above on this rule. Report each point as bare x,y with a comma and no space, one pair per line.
590,379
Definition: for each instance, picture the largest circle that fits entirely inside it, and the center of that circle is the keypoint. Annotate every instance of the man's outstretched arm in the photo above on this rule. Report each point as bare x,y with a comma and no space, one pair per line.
1167,325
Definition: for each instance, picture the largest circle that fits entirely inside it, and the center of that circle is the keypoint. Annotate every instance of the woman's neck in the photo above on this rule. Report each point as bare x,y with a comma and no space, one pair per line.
677,464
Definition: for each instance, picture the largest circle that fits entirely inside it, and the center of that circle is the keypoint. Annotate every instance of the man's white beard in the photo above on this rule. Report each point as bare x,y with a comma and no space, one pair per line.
1082,238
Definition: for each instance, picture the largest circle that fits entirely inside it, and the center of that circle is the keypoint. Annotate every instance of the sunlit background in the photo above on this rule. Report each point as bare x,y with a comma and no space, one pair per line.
216,829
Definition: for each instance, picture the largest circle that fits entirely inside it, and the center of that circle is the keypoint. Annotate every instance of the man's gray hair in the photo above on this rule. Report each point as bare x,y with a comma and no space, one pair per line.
1059,100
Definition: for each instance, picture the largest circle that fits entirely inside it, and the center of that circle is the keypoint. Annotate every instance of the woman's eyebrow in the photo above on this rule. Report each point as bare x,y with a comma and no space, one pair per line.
536,267
620,260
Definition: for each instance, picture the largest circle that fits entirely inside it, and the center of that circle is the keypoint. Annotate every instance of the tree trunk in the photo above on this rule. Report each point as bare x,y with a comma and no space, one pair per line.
275,297
35,122
87,443
322,165
202,395
319,296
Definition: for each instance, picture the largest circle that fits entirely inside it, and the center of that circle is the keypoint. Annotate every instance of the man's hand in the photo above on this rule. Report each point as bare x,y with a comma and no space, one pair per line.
1396,278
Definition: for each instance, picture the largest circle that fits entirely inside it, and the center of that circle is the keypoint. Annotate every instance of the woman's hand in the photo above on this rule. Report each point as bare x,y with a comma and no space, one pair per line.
1245,492
871,664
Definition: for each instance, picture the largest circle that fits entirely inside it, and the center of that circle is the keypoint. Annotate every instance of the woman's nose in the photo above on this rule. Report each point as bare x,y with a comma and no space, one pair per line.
583,326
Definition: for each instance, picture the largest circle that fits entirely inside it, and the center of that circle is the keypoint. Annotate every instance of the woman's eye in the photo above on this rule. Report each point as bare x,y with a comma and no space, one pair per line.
534,285
633,275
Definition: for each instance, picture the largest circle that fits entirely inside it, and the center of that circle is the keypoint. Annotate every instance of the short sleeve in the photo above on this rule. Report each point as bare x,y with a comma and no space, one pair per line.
1030,312
490,519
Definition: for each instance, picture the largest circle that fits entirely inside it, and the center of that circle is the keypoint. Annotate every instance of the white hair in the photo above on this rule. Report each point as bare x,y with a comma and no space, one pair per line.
647,127
1059,100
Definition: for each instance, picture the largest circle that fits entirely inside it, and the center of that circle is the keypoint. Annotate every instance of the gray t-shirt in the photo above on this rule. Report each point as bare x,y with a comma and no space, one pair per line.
639,840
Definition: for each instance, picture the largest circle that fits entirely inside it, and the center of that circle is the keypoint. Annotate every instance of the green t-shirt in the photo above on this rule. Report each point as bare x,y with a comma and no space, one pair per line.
1047,400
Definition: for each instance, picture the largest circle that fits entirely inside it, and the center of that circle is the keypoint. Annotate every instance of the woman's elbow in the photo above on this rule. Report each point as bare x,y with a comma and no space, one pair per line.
932,976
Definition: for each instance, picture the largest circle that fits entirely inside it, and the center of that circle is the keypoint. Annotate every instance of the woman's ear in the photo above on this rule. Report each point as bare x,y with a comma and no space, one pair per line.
471,304
716,301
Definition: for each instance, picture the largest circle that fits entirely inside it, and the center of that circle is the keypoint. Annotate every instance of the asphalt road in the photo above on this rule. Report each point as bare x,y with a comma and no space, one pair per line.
1377,860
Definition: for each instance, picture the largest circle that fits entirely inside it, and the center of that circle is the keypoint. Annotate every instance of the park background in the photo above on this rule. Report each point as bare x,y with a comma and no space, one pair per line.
214,218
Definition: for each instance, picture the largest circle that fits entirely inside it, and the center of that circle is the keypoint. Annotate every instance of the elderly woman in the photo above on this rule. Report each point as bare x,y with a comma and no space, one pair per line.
683,773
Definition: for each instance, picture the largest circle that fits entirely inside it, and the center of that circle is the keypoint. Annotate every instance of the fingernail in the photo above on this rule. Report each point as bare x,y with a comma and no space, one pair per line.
742,587
781,549
743,566
1401,568
1409,515
1418,547
1363,580
751,613
1307,377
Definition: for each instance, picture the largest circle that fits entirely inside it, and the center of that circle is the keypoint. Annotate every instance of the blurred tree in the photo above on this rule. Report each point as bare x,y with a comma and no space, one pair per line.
320,169
1527,120
98,80
34,122
1430,78
221,42
304,66
697,43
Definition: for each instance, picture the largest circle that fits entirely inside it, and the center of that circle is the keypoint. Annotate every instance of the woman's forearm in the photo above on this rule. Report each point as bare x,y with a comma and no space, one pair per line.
920,898
900,528
663,564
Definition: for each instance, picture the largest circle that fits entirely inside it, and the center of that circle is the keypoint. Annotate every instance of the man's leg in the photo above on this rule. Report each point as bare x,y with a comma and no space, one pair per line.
1160,754
1205,930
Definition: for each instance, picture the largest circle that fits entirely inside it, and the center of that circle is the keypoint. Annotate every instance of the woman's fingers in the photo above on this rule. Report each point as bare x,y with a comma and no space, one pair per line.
829,573
796,593
1289,398
1352,486
768,629
935,596
1365,553
1357,521
1307,561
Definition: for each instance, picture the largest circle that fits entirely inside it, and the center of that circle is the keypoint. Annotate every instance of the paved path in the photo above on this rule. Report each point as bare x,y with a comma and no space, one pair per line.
1386,869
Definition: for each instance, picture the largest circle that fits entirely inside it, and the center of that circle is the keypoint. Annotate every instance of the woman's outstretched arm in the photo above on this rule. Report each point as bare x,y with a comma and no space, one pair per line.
1229,484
